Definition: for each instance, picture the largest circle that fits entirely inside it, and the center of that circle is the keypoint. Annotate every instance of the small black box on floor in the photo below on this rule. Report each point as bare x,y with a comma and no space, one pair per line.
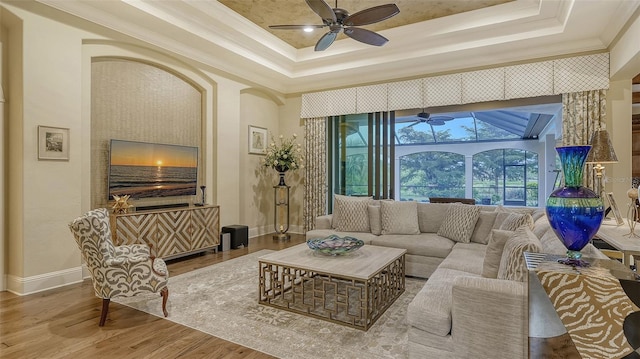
239,235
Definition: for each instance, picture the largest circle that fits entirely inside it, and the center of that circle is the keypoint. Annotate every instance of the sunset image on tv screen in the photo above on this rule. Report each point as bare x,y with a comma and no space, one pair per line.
144,170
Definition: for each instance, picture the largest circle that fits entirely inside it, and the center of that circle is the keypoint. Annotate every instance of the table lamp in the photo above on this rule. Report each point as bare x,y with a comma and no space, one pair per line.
601,152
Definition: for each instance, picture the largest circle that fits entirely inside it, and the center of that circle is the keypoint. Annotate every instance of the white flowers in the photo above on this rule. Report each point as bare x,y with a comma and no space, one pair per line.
287,155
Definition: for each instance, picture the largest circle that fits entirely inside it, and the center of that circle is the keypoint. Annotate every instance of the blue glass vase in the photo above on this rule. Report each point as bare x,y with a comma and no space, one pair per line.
575,212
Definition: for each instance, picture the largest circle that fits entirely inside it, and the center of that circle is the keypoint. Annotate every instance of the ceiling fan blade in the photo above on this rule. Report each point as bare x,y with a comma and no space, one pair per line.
371,15
295,27
442,118
326,40
366,36
323,9
413,124
435,122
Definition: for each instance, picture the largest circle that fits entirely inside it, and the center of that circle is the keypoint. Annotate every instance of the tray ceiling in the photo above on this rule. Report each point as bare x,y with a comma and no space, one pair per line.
428,37
297,12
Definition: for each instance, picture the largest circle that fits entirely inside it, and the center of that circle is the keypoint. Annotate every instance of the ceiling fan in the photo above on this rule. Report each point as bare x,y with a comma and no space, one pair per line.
340,20
425,117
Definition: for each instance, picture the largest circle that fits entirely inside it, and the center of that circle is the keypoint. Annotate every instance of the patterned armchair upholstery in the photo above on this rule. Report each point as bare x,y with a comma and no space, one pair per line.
117,271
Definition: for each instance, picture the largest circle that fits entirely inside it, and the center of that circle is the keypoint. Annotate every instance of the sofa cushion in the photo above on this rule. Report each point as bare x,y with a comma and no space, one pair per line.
374,219
484,225
466,257
493,254
512,263
459,222
430,309
423,244
351,214
399,217
516,220
431,215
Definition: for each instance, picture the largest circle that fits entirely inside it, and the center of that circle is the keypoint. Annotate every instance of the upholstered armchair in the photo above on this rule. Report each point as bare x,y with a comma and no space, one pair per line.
117,271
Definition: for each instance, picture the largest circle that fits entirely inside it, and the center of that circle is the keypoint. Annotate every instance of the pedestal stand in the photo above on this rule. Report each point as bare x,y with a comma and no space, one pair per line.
281,214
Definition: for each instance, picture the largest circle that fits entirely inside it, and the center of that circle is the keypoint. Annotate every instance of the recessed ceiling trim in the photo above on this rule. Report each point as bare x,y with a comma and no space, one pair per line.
210,33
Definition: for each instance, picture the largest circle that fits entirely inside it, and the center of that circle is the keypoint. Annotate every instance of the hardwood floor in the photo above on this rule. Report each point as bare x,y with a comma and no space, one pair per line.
63,322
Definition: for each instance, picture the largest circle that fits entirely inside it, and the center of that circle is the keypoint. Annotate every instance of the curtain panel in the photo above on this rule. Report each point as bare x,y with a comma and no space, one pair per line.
583,113
315,188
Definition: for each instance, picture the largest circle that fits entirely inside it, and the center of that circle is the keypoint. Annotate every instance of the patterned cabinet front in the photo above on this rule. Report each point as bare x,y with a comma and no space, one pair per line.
174,236
170,233
136,228
205,228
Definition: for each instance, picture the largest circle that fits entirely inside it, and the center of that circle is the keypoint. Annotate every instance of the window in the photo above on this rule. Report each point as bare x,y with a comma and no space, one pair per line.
506,176
431,174
486,151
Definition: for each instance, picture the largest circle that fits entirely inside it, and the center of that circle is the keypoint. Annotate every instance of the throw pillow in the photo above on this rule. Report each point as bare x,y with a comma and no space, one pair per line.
459,222
351,213
374,220
484,225
493,252
517,220
399,217
431,215
512,263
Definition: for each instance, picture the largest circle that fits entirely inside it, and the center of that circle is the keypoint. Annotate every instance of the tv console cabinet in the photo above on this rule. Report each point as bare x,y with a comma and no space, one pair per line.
171,233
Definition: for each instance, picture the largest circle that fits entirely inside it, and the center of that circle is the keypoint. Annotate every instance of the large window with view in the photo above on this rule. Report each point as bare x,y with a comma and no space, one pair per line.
491,155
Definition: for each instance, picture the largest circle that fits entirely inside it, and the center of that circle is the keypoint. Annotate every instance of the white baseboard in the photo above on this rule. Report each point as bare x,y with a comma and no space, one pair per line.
41,282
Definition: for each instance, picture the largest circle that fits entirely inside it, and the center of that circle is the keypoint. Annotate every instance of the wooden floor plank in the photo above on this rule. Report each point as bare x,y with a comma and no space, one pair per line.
63,322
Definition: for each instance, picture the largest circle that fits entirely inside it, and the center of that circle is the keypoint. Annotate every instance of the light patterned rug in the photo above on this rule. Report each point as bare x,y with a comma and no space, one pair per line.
222,300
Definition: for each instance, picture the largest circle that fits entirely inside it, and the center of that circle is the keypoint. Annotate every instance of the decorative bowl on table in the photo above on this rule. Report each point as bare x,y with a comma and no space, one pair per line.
334,245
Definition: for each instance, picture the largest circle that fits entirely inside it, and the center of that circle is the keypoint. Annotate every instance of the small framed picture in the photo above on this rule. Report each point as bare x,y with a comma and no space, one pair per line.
53,143
257,140
614,208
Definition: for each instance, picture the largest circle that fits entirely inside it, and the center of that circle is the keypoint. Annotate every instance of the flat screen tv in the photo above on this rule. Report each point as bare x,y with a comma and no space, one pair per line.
148,170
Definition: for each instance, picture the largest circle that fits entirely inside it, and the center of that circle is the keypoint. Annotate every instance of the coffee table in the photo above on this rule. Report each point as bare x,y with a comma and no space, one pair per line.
352,290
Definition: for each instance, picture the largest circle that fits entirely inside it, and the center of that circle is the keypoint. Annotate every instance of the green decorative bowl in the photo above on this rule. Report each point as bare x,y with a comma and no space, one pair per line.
334,245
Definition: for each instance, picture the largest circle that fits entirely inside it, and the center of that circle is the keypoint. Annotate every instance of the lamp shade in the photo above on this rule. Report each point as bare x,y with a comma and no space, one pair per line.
601,148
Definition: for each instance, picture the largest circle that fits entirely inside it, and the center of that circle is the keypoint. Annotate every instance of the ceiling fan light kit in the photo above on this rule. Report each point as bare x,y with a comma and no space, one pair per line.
340,20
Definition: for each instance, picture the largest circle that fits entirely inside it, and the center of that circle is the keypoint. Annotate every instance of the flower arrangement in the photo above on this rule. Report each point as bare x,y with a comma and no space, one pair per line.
285,155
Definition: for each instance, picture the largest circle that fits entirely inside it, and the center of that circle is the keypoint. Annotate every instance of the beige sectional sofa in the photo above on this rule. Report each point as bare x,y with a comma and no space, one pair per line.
474,304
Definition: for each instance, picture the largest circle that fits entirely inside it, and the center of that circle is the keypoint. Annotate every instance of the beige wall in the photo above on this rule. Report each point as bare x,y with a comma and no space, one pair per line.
624,62
50,84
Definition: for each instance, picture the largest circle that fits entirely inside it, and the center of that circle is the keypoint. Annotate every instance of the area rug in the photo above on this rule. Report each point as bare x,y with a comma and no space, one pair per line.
222,300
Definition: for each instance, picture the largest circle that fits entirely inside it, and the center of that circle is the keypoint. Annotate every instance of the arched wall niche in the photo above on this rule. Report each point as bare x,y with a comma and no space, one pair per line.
141,95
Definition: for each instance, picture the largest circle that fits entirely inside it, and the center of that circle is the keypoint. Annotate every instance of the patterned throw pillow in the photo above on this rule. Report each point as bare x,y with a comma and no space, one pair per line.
512,263
517,220
351,213
399,217
459,222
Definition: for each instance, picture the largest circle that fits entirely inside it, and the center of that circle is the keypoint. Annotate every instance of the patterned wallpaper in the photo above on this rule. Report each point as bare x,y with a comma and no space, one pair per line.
136,101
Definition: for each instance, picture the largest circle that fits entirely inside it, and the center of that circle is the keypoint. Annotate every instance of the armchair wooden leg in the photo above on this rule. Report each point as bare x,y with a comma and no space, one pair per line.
105,310
165,295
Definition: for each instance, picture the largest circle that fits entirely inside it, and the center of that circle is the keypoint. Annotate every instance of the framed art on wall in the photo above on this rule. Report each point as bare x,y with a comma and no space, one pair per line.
53,143
257,140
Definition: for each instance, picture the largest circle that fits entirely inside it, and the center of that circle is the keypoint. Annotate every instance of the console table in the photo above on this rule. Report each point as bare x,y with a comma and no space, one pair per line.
619,238
170,233
549,335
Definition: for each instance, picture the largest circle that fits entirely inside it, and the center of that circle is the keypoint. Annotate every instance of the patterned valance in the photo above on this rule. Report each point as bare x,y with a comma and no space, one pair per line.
554,77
